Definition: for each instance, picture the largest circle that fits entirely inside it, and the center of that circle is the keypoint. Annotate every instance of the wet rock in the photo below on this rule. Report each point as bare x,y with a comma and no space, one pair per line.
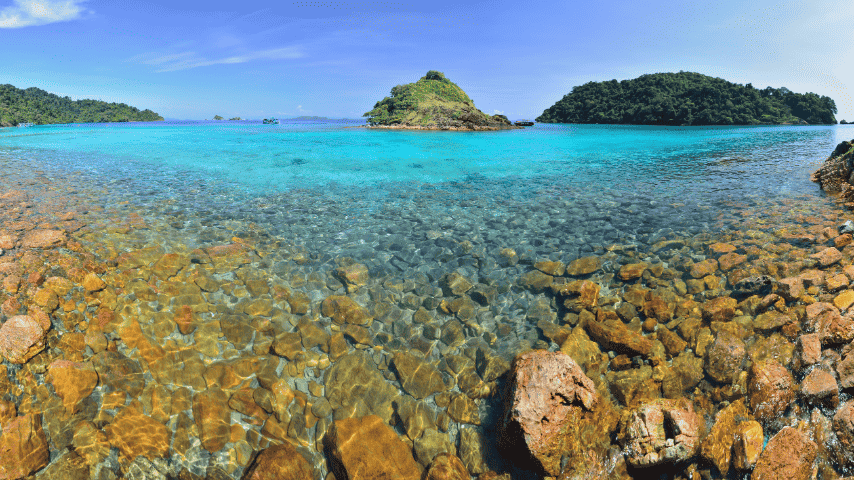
837,282
432,444
353,276
490,366
819,388
116,372
828,256
135,434
548,396
731,260
72,382
791,288
789,455
288,345
583,266
21,338
717,446
758,285
663,431
724,357
634,386
213,418
366,448
454,284
632,271
463,410
93,283
23,447
472,446
843,426
673,343
536,281
720,309
807,350
355,377
555,269
704,268
70,466
655,307
345,310
847,227
770,388
279,462
844,300
613,335
747,445
43,238
447,466
418,377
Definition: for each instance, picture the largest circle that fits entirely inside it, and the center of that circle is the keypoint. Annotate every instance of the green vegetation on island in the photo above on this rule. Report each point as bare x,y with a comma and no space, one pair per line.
687,98
217,117
433,102
34,105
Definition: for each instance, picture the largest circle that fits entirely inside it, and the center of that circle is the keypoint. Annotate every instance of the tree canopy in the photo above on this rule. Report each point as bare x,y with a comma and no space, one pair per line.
687,98
35,105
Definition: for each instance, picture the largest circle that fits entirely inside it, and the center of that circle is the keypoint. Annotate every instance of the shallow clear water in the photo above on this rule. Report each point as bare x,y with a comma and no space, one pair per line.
413,207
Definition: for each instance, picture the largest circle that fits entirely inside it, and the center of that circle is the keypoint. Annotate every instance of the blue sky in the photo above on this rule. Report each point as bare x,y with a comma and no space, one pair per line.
196,59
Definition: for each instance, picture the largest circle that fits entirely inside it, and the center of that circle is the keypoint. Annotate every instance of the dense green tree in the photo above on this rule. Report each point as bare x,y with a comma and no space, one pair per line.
217,117
687,98
34,105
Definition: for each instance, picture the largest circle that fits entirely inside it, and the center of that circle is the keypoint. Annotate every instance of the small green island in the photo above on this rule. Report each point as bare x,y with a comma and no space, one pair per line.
686,99
36,106
432,103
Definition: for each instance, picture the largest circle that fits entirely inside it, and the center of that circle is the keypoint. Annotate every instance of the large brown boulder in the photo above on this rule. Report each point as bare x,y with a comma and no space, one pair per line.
834,176
549,405
788,456
368,449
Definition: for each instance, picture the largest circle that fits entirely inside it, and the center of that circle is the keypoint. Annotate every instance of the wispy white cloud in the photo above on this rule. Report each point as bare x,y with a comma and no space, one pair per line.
28,13
187,60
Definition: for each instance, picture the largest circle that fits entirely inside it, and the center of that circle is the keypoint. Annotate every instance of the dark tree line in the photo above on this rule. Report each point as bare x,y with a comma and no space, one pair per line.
35,105
687,98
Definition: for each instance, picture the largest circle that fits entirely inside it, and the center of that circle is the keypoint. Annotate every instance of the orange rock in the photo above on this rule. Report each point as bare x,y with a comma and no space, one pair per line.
367,449
279,462
213,418
721,248
353,276
613,335
747,446
184,318
731,260
770,388
446,466
7,242
589,294
659,432
23,447
720,309
844,300
134,434
789,455
632,271
837,282
21,338
72,381
345,310
549,392
704,268
43,239
828,256
93,283
47,299
583,266
8,412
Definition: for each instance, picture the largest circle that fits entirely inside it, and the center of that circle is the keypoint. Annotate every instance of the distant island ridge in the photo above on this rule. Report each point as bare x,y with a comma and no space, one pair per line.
36,106
687,99
436,103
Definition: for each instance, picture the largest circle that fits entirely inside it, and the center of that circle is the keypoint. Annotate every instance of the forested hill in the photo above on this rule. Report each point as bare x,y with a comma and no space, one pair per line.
34,105
687,98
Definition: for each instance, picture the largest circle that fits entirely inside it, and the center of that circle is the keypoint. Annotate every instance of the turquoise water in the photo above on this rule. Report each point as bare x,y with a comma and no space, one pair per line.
412,207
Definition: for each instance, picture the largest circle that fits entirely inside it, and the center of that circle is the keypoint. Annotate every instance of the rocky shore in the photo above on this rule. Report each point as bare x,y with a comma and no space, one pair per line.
444,127
140,343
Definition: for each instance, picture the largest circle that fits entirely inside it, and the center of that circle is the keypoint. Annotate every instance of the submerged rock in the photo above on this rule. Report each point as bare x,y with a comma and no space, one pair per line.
23,447
368,449
789,455
279,462
21,338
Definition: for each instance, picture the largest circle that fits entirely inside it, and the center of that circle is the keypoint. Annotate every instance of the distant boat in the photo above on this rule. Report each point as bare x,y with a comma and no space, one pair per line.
25,124
271,121
524,123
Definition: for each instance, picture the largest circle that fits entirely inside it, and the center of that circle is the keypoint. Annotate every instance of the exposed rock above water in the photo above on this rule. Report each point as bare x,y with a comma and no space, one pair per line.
835,174
432,103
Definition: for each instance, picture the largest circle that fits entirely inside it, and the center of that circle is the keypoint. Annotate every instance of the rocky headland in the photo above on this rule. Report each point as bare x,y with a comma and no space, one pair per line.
432,103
